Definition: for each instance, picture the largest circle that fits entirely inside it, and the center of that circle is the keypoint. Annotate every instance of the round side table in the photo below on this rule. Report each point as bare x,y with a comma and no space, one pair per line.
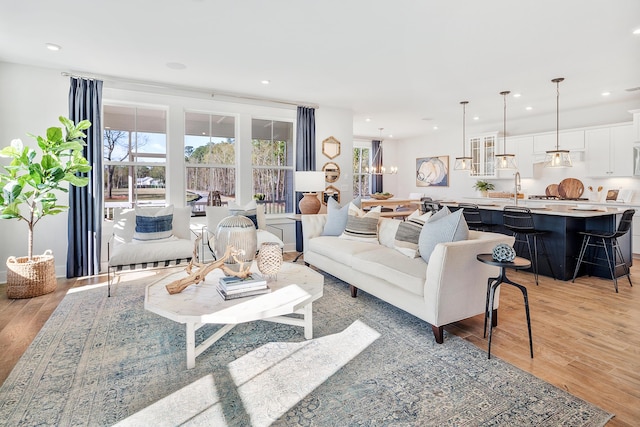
492,284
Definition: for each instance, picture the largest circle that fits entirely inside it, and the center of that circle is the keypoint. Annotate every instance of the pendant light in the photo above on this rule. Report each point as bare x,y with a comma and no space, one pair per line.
463,163
505,161
557,158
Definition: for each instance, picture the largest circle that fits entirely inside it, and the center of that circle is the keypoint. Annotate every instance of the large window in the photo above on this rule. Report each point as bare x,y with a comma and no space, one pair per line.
134,149
361,179
210,157
272,164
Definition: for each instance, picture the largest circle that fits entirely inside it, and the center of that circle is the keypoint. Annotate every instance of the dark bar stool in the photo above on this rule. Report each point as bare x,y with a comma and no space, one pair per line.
472,217
608,241
520,221
430,206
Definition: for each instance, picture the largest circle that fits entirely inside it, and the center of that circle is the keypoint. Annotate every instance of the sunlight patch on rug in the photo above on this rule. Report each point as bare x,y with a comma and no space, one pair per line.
269,380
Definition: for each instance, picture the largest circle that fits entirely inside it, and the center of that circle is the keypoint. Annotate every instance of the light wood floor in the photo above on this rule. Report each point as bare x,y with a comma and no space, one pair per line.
586,337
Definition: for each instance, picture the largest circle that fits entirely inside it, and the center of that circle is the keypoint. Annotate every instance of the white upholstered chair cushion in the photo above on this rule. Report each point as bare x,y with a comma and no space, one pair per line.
127,251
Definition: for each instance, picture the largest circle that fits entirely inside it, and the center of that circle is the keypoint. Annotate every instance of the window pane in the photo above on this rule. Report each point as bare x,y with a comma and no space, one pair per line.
270,188
134,150
149,185
272,157
209,139
210,157
360,167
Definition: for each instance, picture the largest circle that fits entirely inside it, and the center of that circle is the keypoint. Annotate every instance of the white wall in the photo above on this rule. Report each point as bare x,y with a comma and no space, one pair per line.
31,100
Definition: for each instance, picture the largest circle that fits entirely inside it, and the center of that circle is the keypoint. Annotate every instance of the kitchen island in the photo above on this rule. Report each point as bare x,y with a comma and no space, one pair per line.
563,223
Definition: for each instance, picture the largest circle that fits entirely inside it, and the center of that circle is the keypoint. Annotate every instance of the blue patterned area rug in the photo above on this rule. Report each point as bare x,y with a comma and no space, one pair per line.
105,361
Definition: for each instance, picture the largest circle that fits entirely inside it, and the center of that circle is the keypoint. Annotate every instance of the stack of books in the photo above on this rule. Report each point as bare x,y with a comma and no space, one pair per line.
232,287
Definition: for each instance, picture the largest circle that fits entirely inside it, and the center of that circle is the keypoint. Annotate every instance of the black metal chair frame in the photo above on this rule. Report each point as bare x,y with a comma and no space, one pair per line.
473,217
608,242
430,206
520,222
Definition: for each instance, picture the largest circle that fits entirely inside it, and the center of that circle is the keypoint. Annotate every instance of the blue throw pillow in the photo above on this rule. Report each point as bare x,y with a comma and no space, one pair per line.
153,224
442,227
337,216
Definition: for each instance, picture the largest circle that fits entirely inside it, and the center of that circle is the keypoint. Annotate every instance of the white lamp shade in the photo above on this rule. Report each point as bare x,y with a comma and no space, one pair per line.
309,181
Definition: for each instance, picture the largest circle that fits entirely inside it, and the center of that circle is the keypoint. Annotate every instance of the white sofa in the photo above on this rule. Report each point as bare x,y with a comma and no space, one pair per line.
452,286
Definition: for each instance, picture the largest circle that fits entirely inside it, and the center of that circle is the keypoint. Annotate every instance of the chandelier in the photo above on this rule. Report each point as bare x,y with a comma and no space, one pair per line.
377,156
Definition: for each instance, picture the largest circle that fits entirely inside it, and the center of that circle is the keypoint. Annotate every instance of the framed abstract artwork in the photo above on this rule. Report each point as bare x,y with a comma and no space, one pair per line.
432,171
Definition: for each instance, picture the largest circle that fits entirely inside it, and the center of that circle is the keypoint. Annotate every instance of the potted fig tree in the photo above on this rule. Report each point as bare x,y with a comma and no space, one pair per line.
29,188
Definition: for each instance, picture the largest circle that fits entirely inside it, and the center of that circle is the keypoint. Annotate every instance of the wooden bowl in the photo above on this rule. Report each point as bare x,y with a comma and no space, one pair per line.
381,196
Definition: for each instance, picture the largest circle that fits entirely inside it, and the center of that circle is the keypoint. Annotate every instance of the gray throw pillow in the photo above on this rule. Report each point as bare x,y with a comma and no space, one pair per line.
337,216
441,228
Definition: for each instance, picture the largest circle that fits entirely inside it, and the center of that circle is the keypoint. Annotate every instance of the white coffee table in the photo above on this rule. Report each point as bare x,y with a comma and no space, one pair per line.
294,291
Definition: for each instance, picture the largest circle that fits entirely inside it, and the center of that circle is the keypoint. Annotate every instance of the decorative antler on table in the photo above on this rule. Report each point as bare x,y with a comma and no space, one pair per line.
202,269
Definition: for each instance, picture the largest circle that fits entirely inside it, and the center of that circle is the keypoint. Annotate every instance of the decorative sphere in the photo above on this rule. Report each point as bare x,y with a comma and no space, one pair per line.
503,252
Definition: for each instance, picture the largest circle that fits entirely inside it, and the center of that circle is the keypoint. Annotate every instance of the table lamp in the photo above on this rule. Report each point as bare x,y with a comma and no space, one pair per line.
309,183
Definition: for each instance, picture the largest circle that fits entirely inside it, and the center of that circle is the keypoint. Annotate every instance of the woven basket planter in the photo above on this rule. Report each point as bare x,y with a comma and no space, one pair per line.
27,279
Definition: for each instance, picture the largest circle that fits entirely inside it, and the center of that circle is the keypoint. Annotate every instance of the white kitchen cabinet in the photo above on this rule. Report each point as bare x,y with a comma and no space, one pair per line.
522,147
483,150
572,140
635,229
609,151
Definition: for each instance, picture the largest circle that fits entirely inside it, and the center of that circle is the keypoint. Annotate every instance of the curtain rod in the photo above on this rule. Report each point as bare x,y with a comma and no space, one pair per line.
214,93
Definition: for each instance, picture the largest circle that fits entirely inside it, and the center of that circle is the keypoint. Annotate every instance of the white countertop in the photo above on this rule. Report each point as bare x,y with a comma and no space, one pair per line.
573,208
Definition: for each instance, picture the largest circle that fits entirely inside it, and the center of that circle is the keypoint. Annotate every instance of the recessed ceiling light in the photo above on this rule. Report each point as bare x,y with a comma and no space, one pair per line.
390,136
368,119
636,31
606,93
517,95
476,118
435,128
53,47
529,108
265,82
176,65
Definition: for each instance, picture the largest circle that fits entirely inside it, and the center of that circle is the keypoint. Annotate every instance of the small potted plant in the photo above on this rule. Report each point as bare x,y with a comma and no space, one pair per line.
28,190
483,187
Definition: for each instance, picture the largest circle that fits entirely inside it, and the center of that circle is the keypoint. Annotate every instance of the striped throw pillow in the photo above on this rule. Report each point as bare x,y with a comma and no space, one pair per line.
362,226
408,234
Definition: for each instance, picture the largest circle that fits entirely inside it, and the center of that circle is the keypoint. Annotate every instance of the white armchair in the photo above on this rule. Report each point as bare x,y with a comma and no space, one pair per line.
137,244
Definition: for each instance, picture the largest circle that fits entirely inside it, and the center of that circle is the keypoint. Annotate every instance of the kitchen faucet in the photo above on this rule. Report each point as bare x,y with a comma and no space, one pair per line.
518,187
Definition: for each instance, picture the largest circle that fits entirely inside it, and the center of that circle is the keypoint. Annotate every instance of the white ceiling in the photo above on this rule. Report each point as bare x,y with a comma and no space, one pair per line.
404,64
